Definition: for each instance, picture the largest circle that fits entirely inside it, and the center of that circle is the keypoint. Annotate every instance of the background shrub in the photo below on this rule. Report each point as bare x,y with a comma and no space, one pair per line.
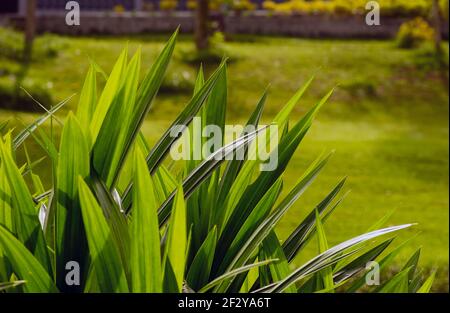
45,46
413,33
178,82
14,97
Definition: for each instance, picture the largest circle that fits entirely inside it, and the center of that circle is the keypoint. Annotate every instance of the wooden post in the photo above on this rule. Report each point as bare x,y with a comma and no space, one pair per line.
436,20
30,30
201,25
22,8
138,5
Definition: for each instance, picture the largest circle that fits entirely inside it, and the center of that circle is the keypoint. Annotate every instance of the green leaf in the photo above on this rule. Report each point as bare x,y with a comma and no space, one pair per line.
192,162
326,274
259,213
426,287
25,216
176,240
170,283
104,254
130,107
25,133
298,238
200,268
233,273
111,140
397,284
271,249
112,87
70,237
12,284
6,202
115,218
250,279
46,143
383,263
400,283
162,147
377,225
359,264
244,174
164,182
213,113
6,220
3,126
145,248
98,68
412,263
282,117
256,190
200,80
234,166
25,265
331,256
202,172
269,223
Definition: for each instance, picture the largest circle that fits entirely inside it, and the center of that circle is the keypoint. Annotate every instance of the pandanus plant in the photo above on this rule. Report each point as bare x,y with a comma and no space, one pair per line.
128,223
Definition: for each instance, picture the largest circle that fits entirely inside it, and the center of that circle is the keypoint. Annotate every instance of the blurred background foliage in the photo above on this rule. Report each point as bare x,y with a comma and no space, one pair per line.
397,8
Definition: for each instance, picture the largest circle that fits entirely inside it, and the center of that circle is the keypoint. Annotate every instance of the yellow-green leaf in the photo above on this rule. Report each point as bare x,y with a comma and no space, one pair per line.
176,240
145,241
25,265
103,251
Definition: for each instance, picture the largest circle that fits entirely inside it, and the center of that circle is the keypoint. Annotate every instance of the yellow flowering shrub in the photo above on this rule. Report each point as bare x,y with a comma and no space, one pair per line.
352,7
168,5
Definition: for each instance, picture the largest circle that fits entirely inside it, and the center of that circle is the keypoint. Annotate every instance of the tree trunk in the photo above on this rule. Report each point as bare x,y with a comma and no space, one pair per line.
30,29
201,25
436,20
439,52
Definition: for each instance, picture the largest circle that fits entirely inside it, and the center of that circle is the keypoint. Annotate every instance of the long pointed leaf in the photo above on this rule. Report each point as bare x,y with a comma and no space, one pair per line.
145,249
25,265
106,261
70,238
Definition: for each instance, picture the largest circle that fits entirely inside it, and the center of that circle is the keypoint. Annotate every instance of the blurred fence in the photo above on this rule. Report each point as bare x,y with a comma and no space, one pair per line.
257,22
18,6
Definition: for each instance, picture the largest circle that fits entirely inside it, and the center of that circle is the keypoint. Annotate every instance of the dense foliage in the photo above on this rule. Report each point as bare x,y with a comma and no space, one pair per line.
134,225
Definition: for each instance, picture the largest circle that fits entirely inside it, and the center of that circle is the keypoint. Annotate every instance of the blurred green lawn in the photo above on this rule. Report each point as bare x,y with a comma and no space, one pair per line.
387,121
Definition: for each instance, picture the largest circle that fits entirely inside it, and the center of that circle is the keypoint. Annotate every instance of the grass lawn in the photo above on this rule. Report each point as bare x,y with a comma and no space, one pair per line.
387,121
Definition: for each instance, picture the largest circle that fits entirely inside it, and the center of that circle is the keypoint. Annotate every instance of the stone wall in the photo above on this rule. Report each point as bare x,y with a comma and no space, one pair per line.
256,23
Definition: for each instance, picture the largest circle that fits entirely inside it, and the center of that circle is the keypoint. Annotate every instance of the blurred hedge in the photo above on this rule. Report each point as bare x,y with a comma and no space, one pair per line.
399,8
45,46
14,97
